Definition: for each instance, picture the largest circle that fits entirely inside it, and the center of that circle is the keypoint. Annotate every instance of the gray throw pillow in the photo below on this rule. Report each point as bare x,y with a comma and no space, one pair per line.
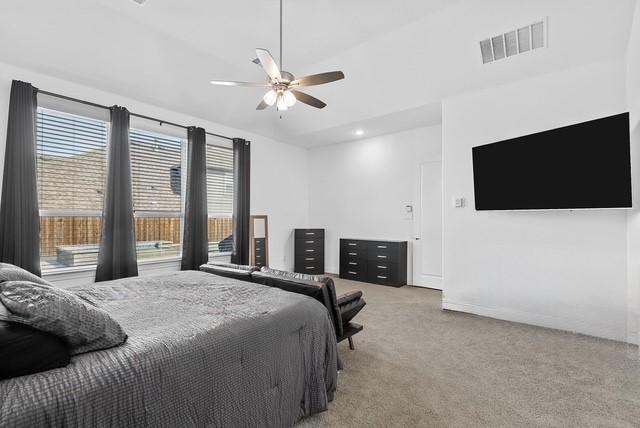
9,272
47,308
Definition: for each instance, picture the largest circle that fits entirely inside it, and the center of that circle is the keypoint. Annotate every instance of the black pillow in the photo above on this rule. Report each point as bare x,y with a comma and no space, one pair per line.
25,350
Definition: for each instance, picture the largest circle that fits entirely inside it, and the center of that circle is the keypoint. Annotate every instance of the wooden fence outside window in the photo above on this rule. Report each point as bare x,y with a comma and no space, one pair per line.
66,231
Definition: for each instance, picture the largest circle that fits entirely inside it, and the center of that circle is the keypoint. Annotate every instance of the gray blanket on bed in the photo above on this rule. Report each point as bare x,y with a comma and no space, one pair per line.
203,351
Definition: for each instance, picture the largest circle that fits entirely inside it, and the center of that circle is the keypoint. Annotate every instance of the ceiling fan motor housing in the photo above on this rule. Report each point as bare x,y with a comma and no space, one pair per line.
286,76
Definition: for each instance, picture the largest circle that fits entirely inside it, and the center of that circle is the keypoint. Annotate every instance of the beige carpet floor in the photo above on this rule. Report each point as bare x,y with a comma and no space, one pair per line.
416,365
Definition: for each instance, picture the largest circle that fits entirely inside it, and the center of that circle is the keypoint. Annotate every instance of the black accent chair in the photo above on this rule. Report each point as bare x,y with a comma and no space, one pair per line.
342,309
229,270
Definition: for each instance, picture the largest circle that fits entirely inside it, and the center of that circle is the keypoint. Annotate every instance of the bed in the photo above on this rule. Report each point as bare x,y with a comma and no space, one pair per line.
203,350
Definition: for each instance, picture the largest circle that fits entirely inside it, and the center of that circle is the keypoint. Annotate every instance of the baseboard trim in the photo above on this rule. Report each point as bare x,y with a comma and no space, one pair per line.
332,270
555,323
430,281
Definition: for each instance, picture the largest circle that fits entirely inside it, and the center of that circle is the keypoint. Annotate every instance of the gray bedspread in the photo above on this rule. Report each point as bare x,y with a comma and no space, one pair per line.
203,351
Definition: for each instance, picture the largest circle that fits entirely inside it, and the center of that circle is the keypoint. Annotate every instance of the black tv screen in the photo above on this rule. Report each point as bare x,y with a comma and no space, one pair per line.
586,165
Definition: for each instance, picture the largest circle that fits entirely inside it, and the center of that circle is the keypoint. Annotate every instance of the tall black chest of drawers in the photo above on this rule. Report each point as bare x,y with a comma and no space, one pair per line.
309,251
379,262
260,249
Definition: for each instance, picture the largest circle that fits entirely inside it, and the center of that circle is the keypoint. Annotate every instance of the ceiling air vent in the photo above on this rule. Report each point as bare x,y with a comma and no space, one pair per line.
514,42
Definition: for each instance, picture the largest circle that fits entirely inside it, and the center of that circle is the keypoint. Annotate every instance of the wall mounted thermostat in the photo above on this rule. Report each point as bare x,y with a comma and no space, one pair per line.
408,212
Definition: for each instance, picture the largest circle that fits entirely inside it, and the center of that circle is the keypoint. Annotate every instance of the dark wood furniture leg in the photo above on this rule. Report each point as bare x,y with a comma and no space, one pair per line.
348,331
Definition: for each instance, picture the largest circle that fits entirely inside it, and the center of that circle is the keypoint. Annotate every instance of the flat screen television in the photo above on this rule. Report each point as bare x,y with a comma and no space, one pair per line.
580,166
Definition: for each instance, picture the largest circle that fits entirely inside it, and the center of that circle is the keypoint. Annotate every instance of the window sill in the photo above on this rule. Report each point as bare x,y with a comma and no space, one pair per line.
92,268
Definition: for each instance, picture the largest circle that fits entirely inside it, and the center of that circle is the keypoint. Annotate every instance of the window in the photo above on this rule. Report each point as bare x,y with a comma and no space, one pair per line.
72,175
220,199
71,167
156,168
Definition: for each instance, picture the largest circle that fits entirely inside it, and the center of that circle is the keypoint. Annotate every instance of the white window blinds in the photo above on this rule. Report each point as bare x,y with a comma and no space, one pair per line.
219,181
156,168
71,162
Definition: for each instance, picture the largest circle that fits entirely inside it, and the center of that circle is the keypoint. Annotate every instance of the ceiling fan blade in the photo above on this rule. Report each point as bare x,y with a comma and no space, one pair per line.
262,105
308,99
230,83
267,62
318,79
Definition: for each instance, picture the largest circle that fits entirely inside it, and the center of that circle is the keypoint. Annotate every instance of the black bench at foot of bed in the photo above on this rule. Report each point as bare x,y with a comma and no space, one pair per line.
322,288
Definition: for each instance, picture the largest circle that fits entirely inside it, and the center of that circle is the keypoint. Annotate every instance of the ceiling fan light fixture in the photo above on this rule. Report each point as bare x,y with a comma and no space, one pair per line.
281,104
270,97
289,98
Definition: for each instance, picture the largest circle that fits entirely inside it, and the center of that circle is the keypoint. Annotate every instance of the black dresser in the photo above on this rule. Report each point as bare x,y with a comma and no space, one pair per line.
379,262
260,249
309,251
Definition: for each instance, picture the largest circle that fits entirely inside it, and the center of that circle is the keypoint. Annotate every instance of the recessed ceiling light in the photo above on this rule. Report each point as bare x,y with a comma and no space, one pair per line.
359,132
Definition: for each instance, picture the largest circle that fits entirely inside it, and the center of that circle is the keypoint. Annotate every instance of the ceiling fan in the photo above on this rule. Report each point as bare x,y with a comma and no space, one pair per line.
282,84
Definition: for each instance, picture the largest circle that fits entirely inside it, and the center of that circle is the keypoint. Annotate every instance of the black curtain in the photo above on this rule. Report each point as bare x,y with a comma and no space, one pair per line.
241,197
195,244
117,255
19,215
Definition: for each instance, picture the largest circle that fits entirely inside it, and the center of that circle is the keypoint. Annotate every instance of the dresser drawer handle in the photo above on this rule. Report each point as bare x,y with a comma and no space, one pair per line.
309,242
382,277
310,251
352,272
310,259
382,257
310,233
353,244
353,254
382,246
353,263
381,267
310,267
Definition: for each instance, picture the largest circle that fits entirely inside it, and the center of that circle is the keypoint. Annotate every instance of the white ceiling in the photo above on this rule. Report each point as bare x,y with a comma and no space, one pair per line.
400,58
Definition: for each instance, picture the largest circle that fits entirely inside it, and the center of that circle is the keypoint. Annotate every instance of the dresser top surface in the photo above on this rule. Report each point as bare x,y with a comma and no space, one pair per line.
373,240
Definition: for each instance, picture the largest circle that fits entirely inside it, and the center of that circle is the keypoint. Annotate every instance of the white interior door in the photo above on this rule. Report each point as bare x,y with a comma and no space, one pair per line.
427,244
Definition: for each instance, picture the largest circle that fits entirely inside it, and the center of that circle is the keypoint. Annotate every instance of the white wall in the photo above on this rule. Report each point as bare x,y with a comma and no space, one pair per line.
633,221
280,189
633,69
559,269
359,189
633,245
279,177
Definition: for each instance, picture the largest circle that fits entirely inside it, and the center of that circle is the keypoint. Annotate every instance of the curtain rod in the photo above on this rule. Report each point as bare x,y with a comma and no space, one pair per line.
153,119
